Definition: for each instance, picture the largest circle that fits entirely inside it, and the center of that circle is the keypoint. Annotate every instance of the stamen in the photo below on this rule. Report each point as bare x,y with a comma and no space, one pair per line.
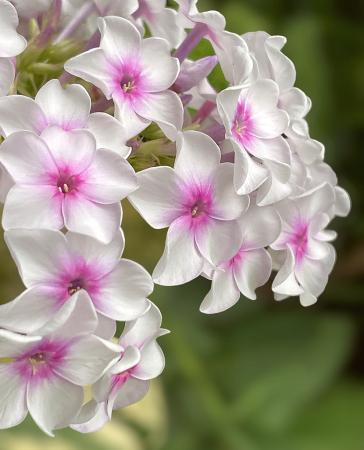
35,362
128,87
60,189
238,128
65,188
194,211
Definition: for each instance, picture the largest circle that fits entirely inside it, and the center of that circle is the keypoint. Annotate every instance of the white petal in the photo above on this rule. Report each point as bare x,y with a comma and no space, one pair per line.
140,331
260,226
158,198
219,240
53,403
7,75
27,159
227,204
66,322
109,133
252,270
93,417
130,358
181,261
316,201
272,191
106,327
132,123
13,407
123,291
165,108
275,149
93,66
197,156
160,70
285,281
120,39
307,299
151,362
131,392
94,253
20,113
30,310
13,345
41,255
69,107
88,360
313,274
248,174
93,219
32,207
342,202
72,150
108,179
223,295
12,43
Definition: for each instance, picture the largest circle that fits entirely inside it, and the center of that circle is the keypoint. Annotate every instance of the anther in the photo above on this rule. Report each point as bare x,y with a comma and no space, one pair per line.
60,189
128,87
194,211
65,188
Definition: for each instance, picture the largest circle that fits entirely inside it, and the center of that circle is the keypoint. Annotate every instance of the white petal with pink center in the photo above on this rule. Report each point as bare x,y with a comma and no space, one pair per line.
47,371
60,181
250,267
136,74
54,267
199,204
127,381
69,108
309,257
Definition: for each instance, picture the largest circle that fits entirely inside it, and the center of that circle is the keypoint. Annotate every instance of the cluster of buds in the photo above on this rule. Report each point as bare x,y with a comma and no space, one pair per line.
98,112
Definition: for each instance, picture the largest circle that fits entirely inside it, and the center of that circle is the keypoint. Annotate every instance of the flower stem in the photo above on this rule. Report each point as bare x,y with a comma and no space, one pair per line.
204,111
75,22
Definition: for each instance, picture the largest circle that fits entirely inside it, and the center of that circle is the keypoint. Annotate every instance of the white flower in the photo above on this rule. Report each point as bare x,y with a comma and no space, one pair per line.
126,382
63,180
308,258
198,203
48,370
69,108
136,74
54,266
250,267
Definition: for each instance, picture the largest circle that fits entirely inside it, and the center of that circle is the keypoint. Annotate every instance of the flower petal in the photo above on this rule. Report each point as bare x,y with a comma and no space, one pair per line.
131,392
69,107
151,362
92,417
7,75
53,403
13,407
32,207
158,199
41,255
223,294
108,179
123,291
12,43
160,70
252,270
20,113
132,123
227,204
27,159
285,281
93,219
165,108
181,261
197,156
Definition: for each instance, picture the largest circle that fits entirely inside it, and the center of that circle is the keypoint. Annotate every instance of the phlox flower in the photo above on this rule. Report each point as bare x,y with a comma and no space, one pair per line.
54,267
62,180
69,108
198,203
127,381
250,267
136,74
47,370
307,257
254,125
11,44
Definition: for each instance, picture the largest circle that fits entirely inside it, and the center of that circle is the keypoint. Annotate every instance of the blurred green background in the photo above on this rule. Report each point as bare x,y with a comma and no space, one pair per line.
262,375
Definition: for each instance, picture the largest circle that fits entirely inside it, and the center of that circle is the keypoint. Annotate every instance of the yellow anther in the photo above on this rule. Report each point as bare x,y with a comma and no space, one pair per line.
65,188
194,211
128,87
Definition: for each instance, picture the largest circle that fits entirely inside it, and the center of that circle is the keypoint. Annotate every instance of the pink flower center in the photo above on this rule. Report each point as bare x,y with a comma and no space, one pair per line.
241,122
299,240
76,285
66,183
198,208
36,360
127,83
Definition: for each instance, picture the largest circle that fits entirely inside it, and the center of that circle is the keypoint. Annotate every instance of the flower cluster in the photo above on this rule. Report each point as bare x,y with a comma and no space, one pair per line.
98,112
